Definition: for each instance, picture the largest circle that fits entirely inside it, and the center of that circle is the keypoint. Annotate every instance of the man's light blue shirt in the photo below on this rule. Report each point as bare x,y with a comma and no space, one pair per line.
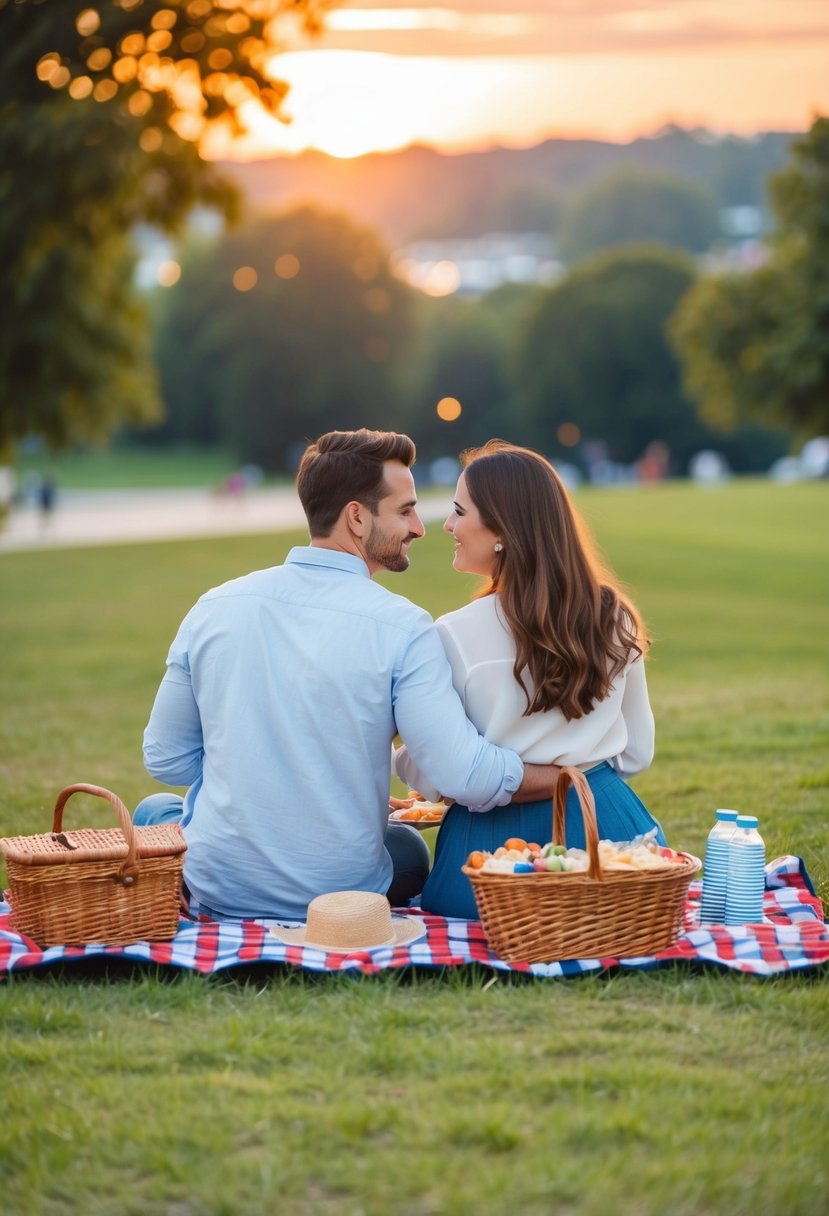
283,692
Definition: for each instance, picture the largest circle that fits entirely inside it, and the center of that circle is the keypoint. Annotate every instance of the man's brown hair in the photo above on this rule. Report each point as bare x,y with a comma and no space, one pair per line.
347,466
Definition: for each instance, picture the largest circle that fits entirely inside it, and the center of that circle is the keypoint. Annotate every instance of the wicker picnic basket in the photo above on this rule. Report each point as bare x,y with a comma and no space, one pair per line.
114,885
543,917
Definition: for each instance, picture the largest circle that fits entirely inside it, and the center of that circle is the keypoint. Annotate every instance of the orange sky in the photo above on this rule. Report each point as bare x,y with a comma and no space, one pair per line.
473,73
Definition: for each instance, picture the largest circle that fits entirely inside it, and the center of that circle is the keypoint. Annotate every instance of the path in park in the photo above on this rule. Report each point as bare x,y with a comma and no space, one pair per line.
115,517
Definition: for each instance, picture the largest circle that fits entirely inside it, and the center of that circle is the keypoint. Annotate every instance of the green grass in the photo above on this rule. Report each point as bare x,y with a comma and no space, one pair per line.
130,468
681,1092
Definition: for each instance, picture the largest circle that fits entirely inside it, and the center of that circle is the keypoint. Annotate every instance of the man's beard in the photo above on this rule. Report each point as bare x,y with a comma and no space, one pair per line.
387,553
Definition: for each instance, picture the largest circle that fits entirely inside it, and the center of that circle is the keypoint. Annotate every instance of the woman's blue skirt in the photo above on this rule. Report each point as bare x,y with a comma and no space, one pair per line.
620,815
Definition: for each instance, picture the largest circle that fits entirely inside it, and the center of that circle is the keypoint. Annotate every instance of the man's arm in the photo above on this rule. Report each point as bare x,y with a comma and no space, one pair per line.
442,745
539,782
173,740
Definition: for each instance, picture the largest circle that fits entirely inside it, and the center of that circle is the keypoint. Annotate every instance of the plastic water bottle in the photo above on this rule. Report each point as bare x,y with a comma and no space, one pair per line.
746,873
715,868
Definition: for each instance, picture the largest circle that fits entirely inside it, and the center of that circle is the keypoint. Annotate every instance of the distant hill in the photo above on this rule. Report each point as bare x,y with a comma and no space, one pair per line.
420,191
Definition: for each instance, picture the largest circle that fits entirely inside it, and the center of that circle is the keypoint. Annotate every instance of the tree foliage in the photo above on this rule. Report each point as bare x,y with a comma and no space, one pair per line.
635,205
102,110
287,327
755,344
595,355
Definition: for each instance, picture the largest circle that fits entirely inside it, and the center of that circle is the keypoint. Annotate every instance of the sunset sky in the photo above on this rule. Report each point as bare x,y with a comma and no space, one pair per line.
468,74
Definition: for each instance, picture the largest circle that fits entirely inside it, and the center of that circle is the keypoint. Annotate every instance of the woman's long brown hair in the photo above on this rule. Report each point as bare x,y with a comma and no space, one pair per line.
573,629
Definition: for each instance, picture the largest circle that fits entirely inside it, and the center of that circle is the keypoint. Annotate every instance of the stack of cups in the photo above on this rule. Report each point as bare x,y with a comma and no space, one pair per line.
746,873
715,869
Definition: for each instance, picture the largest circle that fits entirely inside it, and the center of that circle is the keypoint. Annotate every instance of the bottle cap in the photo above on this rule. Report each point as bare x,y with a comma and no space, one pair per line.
728,816
747,821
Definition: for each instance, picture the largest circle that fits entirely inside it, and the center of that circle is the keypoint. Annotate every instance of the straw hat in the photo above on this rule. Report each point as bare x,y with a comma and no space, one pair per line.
342,921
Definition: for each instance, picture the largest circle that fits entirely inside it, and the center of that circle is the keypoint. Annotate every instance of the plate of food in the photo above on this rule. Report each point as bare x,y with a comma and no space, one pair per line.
417,811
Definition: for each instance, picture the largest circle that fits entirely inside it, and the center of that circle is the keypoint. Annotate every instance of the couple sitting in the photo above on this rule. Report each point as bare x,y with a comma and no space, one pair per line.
285,688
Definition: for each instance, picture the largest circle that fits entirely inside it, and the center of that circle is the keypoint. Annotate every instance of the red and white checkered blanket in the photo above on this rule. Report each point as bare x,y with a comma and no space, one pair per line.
792,937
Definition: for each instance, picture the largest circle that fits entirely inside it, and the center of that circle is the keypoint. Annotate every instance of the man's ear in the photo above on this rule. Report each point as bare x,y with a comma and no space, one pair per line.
357,518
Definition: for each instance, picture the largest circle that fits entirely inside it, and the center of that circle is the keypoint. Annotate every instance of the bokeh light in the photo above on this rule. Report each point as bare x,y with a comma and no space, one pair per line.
80,88
219,59
159,41
150,139
448,409
164,19
47,65
139,103
286,266
568,434
105,90
124,69
87,22
245,278
99,59
132,44
169,273
59,78
441,279
192,42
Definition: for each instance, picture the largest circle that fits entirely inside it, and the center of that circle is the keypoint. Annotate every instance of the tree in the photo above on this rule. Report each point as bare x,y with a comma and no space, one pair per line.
287,327
594,355
755,344
102,109
514,206
636,205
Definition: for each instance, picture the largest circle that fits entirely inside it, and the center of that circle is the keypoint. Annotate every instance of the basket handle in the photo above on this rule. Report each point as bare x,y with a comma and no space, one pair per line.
574,776
128,870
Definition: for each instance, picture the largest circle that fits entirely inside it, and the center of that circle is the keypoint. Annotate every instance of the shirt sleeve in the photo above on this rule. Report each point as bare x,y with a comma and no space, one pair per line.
444,755
173,742
637,754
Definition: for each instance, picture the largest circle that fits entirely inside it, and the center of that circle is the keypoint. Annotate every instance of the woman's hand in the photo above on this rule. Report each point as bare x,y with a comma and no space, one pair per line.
400,804
405,804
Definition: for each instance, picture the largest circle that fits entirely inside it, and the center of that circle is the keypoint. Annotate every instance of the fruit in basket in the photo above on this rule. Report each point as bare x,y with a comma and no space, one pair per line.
518,857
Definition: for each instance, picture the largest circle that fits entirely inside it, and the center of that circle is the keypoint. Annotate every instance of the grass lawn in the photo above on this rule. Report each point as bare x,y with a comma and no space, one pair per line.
676,1092
129,468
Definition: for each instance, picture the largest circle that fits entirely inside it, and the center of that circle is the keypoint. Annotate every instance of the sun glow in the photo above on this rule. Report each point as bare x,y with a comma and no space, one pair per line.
347,103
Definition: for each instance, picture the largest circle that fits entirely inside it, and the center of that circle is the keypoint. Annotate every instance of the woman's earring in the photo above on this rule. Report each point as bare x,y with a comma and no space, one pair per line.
498,547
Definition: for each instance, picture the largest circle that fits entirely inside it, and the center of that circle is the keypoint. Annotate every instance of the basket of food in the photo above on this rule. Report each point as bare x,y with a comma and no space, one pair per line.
604,901
110,885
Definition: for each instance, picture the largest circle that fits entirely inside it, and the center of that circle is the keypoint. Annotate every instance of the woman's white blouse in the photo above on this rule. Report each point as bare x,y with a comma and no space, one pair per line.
481,651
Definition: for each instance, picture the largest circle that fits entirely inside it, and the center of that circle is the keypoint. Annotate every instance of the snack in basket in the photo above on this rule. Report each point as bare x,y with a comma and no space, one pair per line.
417,809
517,856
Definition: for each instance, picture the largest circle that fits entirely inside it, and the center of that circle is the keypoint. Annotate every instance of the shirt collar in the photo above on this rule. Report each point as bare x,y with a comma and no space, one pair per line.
331,559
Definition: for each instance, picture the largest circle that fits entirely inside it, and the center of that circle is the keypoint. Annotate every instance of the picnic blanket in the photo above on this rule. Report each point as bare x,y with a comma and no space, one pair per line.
792,937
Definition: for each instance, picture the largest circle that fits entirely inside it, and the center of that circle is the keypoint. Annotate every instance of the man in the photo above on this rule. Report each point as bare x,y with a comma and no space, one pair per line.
283,692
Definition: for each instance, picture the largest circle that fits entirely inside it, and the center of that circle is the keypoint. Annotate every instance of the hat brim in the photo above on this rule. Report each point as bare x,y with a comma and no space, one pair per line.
405,929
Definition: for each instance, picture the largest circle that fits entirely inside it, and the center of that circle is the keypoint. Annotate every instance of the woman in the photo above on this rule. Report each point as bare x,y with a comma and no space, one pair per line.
548,659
